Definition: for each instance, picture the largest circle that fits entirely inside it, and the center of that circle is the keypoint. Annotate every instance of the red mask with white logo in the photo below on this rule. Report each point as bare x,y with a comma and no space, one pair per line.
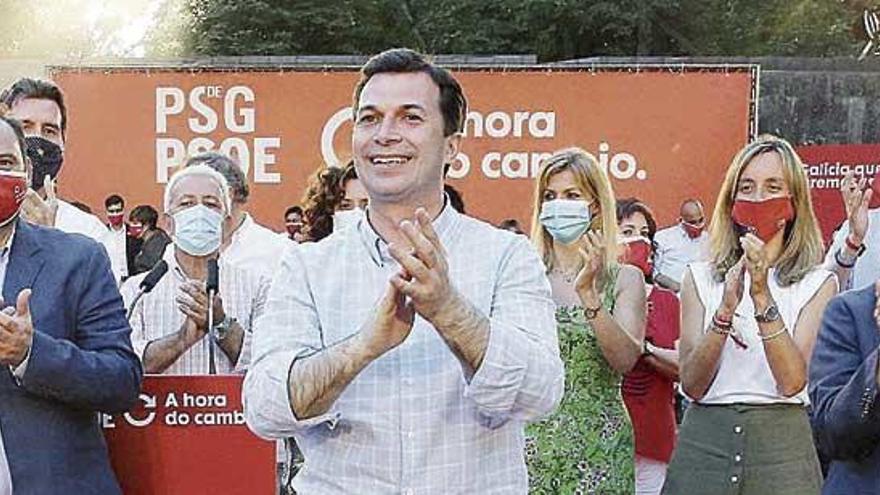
637,252
13,188
763,218
116,219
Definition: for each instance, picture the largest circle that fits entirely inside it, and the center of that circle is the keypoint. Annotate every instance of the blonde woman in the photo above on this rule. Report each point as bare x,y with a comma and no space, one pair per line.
588,443
749,323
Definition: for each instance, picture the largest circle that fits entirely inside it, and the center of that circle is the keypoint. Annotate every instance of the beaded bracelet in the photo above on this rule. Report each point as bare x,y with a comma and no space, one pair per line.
773,335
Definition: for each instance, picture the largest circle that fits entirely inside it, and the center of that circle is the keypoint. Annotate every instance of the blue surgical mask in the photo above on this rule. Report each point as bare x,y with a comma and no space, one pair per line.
342,219
565,219
198,230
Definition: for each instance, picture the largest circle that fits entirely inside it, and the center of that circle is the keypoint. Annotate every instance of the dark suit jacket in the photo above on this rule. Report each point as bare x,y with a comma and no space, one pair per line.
151,252
844,393
81,361
133,246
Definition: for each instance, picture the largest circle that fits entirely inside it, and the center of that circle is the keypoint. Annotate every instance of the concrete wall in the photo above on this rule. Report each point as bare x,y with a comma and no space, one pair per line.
816,105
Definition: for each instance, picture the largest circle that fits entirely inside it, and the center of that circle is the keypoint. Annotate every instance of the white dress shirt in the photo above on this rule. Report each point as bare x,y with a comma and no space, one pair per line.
72,220
676,250
256,248
867,269
156,315
410,422
114,242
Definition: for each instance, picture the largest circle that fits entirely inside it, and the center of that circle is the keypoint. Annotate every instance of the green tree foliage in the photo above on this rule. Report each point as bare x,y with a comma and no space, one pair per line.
552,29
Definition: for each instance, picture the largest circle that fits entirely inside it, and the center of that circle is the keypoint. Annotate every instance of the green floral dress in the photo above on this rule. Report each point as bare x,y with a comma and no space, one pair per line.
586,446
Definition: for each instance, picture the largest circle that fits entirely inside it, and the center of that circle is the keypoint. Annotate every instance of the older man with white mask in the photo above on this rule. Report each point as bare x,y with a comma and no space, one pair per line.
170,328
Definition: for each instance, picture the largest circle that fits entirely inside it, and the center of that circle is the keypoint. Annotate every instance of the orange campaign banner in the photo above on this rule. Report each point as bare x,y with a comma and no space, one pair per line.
188,435
663,133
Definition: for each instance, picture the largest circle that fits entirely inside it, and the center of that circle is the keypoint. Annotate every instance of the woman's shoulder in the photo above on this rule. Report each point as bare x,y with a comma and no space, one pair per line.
812,282
627,276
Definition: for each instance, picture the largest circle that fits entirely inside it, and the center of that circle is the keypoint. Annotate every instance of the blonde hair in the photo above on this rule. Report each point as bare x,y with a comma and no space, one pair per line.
592,181
802,242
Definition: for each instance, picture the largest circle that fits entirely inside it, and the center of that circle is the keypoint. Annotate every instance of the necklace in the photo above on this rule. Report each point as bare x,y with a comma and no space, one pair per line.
568,276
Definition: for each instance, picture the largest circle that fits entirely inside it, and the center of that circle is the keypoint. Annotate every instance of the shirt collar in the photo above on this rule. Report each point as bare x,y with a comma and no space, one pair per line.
378,248
173,266
245,225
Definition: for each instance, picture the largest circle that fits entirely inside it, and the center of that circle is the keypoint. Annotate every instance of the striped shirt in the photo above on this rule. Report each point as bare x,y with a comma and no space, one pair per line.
156,315
410,422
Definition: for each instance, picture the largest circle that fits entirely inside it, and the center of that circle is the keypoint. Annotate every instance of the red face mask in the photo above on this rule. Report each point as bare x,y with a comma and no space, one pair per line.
135,230
116,219
637,252
13,188
692,231
763,218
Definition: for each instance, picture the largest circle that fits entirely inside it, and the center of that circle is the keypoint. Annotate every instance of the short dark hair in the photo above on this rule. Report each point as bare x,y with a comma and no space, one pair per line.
19,134
453,103
37,89
293,209
510,224
627,207
81,206
455,198
114,199
228,168
146,215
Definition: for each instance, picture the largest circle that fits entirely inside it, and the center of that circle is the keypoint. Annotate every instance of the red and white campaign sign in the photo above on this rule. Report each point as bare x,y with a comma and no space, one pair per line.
826,165
188,436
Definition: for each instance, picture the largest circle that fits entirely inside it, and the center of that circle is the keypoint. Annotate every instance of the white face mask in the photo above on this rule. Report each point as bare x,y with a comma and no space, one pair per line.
343,219
198,230
566,220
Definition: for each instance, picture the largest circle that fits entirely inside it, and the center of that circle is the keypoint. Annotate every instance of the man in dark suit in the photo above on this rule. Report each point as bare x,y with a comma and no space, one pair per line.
844,390
65,350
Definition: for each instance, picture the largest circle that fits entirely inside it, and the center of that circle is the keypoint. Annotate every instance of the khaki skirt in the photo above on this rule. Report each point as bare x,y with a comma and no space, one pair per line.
744,450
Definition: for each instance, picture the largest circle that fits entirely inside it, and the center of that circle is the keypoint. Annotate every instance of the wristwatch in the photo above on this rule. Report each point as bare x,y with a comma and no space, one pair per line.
221,329
769,315
646,351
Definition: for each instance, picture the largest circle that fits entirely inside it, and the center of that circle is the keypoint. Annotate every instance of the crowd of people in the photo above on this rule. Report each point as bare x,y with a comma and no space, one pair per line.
393,344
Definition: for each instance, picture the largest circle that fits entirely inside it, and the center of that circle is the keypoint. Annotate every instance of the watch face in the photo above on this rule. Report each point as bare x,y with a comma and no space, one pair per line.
770,314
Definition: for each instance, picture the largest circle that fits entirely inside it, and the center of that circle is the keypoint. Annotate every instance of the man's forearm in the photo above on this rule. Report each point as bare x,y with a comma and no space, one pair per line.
161,353
315,382
466,332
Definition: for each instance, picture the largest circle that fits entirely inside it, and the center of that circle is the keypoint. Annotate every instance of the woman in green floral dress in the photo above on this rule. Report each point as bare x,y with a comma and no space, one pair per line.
586,446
